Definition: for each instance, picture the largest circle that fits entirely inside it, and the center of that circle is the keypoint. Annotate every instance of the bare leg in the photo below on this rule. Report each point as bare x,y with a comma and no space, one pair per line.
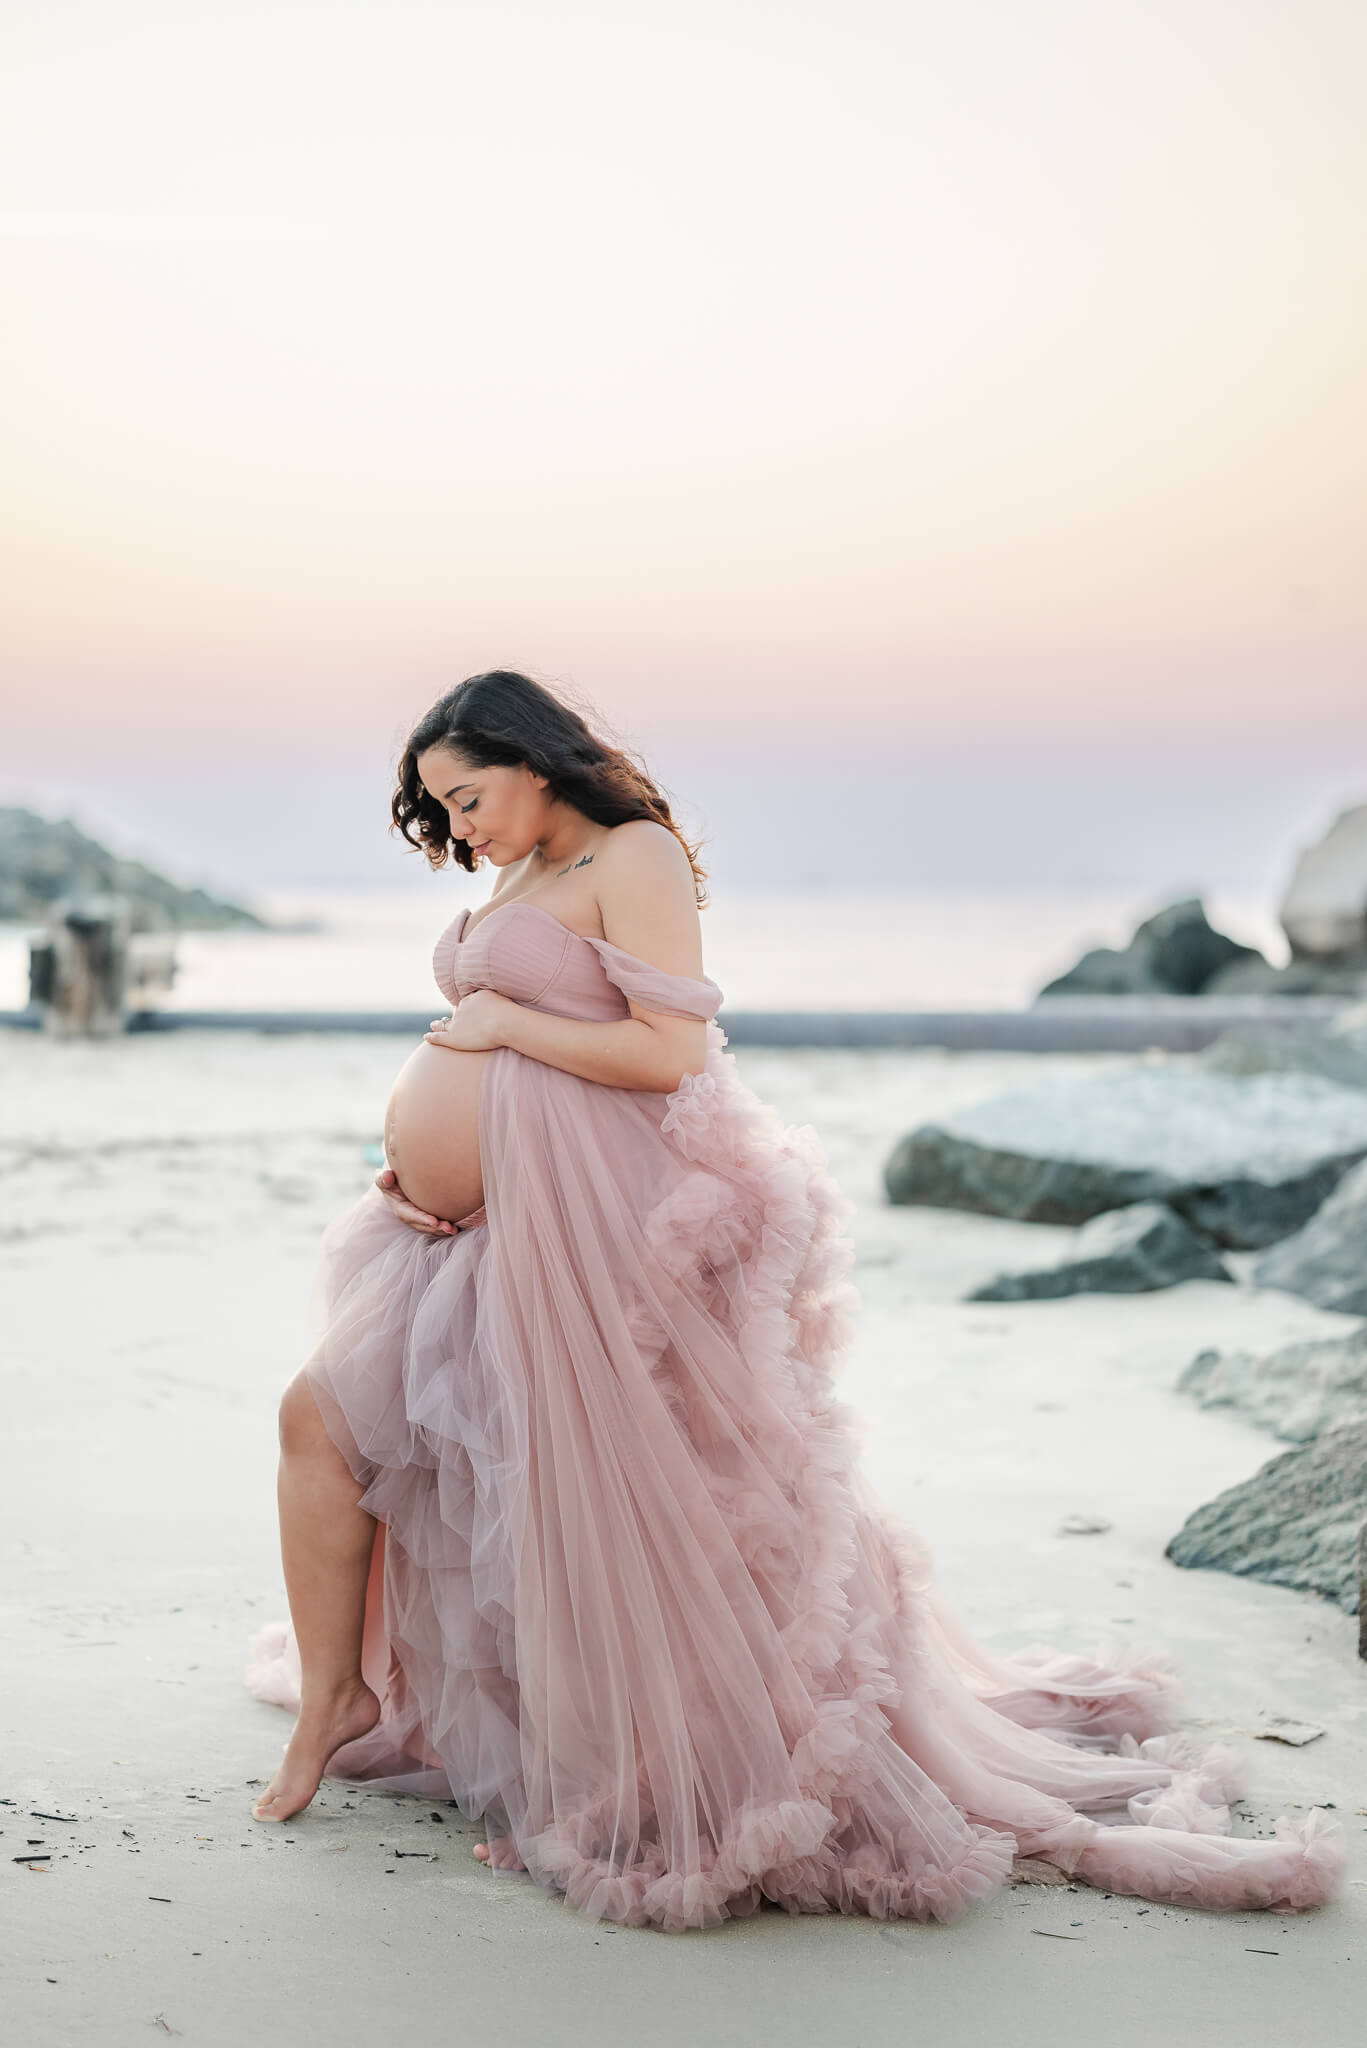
325,1544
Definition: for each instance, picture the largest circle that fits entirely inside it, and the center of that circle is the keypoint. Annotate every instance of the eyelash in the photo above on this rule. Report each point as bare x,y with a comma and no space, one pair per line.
471,805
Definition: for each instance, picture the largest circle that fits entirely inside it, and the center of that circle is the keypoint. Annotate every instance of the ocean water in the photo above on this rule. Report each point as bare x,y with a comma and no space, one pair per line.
832,949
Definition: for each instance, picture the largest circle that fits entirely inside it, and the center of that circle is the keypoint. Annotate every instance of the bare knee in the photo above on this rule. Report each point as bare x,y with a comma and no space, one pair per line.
301,1426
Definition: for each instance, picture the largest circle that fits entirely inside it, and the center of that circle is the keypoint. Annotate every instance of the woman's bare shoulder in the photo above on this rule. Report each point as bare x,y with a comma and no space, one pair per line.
646,897
644,842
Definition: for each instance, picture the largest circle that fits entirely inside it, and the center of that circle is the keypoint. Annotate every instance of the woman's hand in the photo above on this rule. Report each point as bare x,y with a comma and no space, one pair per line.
387,1181
475,1025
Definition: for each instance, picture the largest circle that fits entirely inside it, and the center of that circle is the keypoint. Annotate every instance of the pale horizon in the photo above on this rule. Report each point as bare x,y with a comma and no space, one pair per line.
975,394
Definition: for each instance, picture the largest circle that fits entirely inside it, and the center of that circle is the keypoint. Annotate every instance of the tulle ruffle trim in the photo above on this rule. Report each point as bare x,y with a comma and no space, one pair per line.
1317,1861
273,1671
780,1853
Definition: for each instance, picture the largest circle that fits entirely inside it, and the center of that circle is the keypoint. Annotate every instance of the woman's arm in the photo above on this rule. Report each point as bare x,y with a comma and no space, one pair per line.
645,1050
646,899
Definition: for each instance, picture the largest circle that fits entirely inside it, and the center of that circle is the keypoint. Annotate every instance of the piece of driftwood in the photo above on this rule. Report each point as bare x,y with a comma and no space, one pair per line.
90,971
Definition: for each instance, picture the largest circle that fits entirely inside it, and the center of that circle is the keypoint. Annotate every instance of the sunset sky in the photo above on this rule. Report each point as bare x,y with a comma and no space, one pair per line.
932,432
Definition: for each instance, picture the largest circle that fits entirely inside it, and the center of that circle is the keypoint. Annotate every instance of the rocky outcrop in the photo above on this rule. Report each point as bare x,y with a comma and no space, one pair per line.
1124,1251
43,862
1245,1160
1175,952
1297,978
1298,1392
1336,1050
1326,1261
1294,1523
1324,910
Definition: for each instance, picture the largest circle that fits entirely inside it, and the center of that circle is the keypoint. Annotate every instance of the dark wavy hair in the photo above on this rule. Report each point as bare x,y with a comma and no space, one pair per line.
502,719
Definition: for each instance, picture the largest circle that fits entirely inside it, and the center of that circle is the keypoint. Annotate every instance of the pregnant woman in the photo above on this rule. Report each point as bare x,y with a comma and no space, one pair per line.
573,1530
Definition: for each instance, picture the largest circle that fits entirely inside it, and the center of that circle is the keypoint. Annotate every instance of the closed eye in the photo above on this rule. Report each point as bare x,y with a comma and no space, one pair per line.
470,806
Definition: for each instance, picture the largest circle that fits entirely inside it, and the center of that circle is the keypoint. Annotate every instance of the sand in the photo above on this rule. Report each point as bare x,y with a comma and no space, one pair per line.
163,1204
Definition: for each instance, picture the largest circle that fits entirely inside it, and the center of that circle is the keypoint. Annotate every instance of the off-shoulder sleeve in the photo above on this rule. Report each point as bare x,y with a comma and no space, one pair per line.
677,995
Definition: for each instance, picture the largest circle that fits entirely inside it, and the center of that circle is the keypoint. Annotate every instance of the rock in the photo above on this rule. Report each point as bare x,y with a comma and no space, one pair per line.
1104,971
1281,1728
1123,1251
1324,910
1294,1523
1244,1159
1083,1524
42,862
1336,1050
1297,978
1326,1261
1299,1391
1175,952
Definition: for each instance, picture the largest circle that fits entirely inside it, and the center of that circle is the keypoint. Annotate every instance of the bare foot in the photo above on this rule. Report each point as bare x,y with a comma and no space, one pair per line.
318,1733
500,1853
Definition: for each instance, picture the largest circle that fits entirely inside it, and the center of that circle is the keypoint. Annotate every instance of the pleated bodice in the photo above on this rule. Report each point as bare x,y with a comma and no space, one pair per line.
539,962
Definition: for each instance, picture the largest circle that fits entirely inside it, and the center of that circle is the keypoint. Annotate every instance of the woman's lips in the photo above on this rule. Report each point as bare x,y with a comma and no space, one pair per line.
482,845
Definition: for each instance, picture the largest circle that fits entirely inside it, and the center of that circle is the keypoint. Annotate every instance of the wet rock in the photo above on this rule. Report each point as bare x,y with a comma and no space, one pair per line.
1294,1523
1123,1251
1174,952
1245,1160
1298,1392
1336,1049
1324,910
1326,1261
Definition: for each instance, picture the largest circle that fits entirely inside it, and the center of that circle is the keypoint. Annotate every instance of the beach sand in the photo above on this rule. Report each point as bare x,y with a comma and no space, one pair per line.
164,1202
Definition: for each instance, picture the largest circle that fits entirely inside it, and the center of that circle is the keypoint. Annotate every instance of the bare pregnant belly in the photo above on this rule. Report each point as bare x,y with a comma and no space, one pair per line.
431,1130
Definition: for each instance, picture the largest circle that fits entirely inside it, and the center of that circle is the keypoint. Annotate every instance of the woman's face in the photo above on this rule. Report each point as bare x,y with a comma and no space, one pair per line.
499,812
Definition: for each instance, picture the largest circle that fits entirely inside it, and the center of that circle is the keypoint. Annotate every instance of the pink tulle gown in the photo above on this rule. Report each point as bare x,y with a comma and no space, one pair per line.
632,1599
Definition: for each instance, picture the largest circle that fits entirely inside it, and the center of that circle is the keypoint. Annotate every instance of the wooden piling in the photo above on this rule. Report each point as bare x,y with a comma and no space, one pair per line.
90,971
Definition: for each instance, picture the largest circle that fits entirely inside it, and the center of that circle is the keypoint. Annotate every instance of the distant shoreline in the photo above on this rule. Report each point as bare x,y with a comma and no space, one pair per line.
1055,1024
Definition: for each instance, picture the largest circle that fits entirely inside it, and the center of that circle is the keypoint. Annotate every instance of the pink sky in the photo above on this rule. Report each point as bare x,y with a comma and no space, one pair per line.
964,372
